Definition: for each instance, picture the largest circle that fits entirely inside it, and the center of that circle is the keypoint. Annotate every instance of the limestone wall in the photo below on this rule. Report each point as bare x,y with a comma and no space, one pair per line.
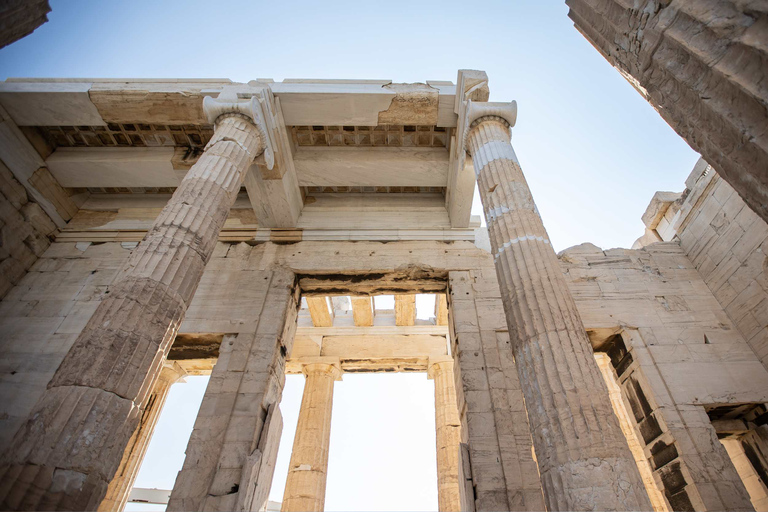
41,317
700,354
24,230
728,244
687,351
679,352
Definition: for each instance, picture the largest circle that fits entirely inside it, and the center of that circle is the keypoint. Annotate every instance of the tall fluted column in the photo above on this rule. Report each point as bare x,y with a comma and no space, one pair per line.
448,434
121,484
308,470
584,460
67,452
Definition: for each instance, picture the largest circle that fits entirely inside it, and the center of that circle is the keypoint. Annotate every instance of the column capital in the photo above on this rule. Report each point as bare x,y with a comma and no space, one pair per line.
477,112
332,368
233,99
249,102
439,364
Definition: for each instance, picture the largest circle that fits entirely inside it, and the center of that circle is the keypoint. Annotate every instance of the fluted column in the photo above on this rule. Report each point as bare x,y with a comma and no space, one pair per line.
69,449
121,485
584,460
448,434
308,470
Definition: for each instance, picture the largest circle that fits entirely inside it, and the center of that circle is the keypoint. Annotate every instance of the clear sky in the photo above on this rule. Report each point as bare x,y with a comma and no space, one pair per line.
593,150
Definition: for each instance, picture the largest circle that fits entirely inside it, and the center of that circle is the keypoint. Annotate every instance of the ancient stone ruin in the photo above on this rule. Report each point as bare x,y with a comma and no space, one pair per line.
153,229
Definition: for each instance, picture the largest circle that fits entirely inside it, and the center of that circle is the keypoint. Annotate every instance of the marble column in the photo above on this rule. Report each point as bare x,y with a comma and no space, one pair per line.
308,470
584,460
448,434
121,485
69,449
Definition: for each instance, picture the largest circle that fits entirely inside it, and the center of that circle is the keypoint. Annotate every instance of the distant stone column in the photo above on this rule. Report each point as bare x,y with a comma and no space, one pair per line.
308,471
121,485
448,434
584,460
65,455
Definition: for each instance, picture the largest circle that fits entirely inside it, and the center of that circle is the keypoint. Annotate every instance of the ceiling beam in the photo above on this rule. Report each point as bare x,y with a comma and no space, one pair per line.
405,309
470,85
363,311
441,309
274,192
321,311
371,166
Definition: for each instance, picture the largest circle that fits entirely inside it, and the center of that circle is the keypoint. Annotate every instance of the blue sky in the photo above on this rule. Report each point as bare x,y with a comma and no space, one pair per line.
593,150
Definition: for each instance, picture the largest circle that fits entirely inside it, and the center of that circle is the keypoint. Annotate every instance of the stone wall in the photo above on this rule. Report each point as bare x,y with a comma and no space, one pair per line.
728,244
494,420
703,66
24,231
685,353
41,317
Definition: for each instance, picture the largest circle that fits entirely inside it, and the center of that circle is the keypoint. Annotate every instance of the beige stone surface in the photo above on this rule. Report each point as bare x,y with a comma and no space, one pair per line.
369,220
728,244
308,469
503,472
758,492
321,311
405,309
232,450
627,427
448,434
683,353
363,311
24,232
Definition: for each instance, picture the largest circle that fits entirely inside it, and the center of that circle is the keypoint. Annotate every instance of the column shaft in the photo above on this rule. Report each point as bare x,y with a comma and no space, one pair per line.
72,444
121,485
308,470
583,458
448,434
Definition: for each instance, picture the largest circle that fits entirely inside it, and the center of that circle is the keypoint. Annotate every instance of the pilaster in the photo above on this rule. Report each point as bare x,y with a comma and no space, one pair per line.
448,433
233,446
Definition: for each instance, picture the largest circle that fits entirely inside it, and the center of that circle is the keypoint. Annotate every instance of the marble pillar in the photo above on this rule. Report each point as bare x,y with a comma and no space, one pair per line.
448,434
308,470
584,460
72,444
121,485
